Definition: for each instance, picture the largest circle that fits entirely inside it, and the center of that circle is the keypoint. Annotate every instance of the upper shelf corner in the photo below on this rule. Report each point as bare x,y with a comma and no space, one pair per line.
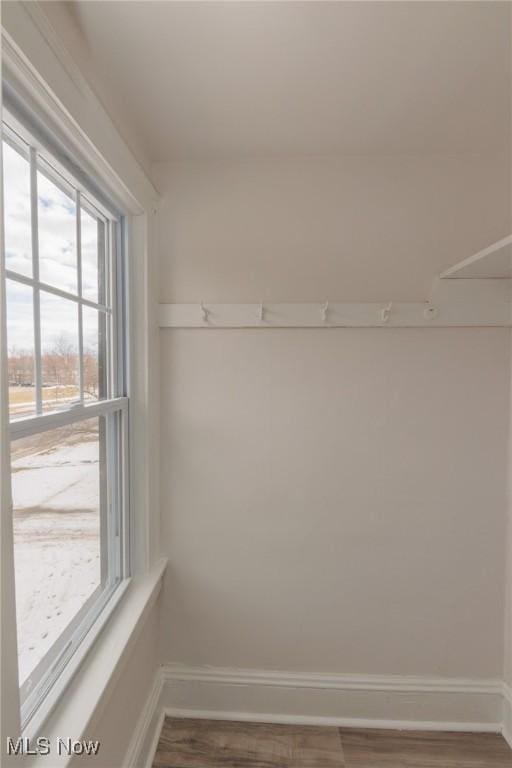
495,261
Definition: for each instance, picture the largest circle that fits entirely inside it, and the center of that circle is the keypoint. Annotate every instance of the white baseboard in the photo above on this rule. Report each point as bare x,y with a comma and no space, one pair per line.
365,701
338,722
382,701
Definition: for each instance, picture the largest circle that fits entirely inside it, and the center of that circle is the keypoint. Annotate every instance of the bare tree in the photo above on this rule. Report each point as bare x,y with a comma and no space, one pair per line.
20,367
60,365
90,371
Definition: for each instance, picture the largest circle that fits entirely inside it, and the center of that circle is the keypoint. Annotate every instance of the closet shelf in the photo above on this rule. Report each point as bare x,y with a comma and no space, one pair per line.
495,261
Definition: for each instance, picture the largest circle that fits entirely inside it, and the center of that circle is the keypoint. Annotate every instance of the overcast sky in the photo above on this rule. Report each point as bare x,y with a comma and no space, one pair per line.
57,258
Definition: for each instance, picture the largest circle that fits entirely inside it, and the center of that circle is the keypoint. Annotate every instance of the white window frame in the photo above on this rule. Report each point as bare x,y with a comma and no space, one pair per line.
38,703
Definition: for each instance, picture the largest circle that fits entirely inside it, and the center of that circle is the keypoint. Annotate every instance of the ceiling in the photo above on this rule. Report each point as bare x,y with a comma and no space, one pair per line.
230,79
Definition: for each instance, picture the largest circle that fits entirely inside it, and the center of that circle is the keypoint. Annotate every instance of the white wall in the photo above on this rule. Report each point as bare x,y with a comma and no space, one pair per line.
507,665
63,19
507,656
360,228
332,500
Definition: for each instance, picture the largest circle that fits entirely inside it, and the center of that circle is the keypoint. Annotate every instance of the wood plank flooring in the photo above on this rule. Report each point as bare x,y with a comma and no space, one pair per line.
189,743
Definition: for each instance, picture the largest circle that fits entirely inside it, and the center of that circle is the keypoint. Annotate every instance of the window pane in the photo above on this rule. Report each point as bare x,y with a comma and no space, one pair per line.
59,495
17,229
93,257
95,369
20,345
59,349
69,481
57,235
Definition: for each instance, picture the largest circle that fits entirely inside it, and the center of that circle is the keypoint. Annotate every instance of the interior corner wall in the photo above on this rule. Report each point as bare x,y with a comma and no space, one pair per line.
507,657
333,500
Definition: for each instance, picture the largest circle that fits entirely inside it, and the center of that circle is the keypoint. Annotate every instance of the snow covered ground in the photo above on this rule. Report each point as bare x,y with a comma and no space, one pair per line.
56,535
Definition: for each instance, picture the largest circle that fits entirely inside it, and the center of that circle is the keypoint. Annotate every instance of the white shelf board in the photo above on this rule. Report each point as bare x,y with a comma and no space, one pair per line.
495,261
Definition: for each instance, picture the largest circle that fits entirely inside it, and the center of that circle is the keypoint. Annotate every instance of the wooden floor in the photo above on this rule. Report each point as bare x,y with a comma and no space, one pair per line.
221,744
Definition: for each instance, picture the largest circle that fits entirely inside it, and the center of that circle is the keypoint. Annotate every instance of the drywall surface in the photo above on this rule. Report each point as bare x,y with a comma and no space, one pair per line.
507,657
507,666
359,228
240,79
508,595
334,500
62,17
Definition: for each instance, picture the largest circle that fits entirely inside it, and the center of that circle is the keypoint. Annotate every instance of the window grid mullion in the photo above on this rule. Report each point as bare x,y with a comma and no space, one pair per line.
35,287
80,306
110,329
55,291
33,425
119,328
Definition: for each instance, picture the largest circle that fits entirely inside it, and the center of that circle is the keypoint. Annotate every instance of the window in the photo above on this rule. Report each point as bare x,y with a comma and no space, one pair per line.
67,405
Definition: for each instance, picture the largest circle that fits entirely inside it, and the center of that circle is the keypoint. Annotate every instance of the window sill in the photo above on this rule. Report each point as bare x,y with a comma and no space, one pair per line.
96,675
